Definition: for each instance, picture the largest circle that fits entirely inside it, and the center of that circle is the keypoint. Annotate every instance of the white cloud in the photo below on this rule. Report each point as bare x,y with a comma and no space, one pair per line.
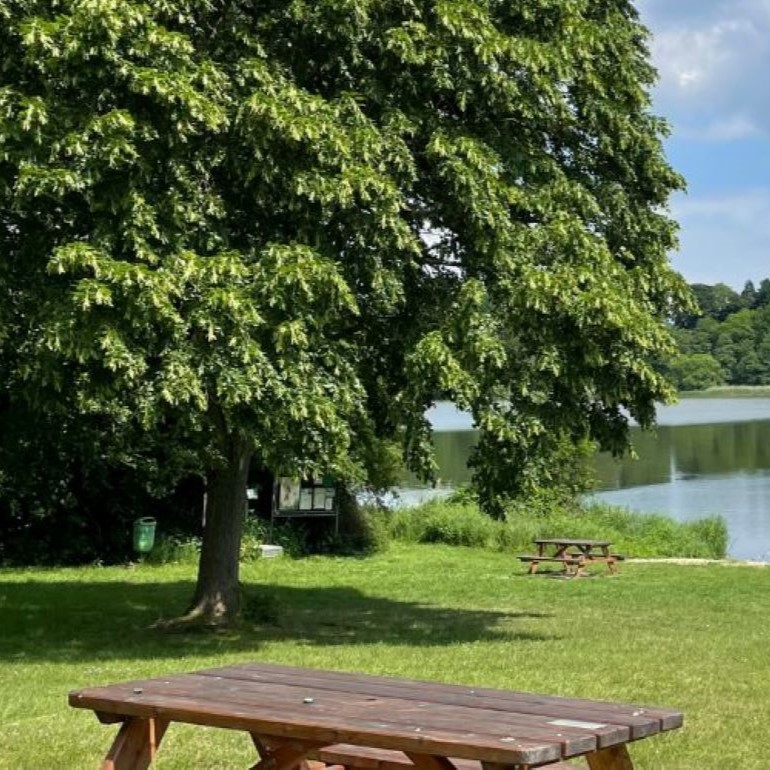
695,59
714,64
713,57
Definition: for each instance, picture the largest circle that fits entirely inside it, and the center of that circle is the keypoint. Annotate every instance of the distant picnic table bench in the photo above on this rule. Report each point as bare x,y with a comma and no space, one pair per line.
303,719
573,554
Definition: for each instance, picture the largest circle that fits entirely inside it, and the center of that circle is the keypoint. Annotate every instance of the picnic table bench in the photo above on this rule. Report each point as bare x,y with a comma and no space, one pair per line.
298,716
573,554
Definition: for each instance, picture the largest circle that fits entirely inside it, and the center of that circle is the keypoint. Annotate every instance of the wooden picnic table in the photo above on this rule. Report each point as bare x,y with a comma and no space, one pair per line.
573,554
297,717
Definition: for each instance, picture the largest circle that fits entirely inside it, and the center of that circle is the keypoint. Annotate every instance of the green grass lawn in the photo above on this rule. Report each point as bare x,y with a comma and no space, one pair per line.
689,637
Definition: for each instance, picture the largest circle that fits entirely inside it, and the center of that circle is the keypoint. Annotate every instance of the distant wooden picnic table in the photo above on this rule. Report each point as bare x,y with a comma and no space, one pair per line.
573,554
298,717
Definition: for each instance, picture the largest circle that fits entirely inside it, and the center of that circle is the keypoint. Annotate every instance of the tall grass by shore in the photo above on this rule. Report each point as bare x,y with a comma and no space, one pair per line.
462,523
458,521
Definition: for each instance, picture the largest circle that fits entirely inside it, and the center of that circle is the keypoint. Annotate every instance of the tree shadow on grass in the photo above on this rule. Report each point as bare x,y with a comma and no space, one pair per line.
72,622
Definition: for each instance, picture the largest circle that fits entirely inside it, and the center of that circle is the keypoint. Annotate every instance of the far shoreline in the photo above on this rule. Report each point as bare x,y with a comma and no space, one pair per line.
728,391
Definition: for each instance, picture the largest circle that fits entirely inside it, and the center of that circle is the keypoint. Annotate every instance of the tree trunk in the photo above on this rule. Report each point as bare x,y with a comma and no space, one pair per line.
217,593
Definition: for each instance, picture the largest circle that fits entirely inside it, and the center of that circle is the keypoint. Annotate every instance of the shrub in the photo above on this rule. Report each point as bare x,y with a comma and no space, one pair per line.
713,531
291,536
442,521
634,534
174,549
458,525
361,528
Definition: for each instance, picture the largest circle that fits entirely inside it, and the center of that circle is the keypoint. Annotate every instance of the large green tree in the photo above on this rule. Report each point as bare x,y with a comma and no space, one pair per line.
278,231
736,342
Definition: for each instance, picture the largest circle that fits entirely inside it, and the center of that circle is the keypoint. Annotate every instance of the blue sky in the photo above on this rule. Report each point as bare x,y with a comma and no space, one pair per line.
713,58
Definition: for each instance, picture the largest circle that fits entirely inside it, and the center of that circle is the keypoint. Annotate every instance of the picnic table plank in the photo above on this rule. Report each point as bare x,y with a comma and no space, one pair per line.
324,729
297,714
409,715
573,541
365,758
368,758
641,720
562,550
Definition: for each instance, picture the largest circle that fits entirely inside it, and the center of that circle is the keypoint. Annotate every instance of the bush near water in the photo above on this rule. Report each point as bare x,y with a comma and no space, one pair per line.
458,521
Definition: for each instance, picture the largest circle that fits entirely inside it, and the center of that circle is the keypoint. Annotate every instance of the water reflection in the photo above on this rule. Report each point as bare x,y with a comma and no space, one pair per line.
690,471
676,453
672,453
708,456
453,448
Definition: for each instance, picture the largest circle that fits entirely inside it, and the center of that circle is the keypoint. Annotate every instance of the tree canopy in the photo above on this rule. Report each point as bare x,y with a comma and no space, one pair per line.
282,231
726,340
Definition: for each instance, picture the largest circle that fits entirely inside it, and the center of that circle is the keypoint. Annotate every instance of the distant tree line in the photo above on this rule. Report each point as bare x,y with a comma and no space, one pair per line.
727,341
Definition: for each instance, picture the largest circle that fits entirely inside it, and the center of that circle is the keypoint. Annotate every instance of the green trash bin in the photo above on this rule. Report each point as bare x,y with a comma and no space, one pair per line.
144,534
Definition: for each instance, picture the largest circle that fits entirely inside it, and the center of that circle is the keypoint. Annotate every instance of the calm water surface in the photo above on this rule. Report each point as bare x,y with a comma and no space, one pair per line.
708,456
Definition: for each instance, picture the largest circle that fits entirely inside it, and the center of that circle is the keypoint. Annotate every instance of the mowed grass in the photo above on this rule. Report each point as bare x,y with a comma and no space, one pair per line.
690,637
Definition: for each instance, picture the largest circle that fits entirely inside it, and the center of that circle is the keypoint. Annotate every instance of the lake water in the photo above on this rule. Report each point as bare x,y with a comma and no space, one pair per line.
708,456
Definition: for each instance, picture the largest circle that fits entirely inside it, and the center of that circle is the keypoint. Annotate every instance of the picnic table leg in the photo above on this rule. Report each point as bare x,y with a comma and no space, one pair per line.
611,758
136,744
430,762
276,755
609,559
575,569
